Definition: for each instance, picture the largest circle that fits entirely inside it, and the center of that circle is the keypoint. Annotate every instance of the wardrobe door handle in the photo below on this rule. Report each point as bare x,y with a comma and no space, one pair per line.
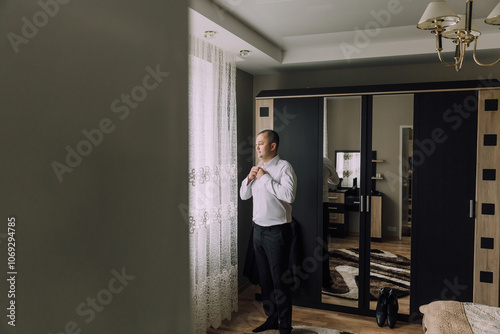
471,208
361,204
367,203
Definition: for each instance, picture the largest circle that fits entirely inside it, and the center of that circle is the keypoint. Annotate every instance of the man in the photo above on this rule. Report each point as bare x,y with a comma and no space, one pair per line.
329,177
272,184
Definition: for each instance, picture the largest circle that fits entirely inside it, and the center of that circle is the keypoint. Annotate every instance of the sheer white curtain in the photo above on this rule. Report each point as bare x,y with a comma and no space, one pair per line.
213,196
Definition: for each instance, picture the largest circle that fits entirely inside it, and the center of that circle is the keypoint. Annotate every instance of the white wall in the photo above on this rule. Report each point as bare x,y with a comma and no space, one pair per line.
119,206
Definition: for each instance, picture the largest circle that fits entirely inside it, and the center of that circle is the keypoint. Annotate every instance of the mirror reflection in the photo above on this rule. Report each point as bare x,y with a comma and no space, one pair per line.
391,250
390,200
347,165
342,145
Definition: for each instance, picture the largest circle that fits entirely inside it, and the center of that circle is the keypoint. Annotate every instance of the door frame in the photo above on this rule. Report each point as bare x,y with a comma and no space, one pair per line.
401,128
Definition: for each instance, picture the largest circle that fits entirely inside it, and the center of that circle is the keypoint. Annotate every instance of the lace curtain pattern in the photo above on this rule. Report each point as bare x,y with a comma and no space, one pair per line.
213,192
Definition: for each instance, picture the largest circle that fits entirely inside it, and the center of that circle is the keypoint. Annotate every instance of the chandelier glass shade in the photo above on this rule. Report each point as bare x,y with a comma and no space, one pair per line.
440,18
438,14
458,30
494,17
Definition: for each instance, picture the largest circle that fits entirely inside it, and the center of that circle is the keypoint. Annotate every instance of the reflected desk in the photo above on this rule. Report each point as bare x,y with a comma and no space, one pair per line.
343,201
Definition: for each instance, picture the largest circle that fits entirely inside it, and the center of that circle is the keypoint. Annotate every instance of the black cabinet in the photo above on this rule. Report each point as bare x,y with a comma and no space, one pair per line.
338,216
300,144
444,164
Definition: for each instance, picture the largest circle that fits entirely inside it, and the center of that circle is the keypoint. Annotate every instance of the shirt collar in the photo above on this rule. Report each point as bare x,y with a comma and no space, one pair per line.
271,163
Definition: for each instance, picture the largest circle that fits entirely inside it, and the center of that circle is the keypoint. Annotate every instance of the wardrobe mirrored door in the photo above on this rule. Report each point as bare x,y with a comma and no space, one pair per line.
341,203
390,201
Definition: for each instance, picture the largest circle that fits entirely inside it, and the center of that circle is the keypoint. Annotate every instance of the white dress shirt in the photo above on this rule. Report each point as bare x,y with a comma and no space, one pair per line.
329,176
273,194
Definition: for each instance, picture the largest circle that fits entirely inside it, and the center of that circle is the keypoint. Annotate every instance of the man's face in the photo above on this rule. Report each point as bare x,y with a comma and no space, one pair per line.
265,150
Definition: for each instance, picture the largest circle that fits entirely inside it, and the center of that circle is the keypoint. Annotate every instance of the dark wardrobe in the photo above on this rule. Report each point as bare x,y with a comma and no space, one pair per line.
443,185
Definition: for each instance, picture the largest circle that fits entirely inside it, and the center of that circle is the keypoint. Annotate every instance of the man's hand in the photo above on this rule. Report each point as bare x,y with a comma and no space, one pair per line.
260,173
253,173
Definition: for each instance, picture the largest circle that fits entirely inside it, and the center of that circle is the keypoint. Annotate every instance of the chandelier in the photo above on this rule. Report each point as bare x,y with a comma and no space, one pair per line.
440,18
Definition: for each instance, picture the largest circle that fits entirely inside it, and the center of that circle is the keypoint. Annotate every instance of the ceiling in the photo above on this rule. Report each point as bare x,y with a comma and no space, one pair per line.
314,34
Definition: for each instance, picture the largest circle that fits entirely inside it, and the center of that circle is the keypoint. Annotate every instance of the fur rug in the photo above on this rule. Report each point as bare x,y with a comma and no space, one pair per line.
386,270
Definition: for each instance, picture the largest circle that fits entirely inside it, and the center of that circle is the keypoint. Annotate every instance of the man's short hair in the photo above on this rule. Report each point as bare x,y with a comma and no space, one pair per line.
273,137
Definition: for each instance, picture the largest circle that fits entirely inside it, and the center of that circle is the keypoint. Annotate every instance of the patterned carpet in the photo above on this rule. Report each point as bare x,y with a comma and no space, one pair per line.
307,330
386,270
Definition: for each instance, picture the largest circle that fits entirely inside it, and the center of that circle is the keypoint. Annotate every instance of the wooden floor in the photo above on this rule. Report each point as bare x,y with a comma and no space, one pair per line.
251,315
401,247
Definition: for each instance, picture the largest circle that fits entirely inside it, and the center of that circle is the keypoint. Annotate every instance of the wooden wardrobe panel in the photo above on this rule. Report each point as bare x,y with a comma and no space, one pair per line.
487,250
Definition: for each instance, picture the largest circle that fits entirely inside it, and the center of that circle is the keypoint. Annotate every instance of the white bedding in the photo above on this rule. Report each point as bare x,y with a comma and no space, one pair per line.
451,317
483,319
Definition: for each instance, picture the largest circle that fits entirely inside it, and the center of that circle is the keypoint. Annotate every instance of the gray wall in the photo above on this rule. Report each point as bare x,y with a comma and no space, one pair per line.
389,113
244,82
117,211
344,124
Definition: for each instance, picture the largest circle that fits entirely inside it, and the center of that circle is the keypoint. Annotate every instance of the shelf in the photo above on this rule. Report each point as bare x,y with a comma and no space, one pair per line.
377,160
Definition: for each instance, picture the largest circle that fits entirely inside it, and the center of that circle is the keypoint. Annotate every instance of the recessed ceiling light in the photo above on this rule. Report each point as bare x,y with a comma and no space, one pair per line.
244,53
210,34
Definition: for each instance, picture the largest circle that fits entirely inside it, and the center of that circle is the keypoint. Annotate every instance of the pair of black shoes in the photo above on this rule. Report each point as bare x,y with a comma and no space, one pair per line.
387,307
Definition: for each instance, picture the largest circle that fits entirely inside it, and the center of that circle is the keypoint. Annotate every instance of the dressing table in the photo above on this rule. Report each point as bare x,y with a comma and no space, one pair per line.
343,201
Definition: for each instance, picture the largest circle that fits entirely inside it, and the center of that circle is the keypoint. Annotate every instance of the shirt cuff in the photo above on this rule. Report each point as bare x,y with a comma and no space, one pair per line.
247,184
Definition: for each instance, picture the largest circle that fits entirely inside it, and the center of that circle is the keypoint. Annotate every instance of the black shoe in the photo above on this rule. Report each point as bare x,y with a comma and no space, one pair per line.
381,312
392,308
327,284
269,324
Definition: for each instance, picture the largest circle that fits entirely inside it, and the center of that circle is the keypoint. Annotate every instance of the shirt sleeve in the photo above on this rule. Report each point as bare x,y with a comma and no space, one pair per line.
246,189
334,177
285,188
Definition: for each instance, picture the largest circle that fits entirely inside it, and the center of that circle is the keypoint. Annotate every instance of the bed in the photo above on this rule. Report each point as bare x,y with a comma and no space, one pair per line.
452,317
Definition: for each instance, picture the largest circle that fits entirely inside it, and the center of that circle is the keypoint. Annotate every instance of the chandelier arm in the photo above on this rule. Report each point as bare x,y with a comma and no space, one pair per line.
439,48
444,62
464,33
461,47
475,58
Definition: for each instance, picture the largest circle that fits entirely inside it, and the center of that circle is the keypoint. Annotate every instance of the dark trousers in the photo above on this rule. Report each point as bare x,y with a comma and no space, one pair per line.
272,254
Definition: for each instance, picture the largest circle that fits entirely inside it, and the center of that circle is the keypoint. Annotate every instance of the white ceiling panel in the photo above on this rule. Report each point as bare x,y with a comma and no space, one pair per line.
282,34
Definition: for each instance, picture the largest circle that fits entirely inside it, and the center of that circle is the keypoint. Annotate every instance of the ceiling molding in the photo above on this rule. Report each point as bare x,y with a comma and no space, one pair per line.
225,20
